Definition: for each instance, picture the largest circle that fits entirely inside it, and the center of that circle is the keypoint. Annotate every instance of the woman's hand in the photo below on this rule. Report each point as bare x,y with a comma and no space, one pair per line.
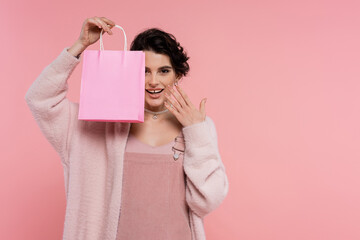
91,28
182,107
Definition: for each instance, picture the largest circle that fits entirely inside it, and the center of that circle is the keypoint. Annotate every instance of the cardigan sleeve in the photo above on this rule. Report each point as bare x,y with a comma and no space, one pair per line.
46,99
206,183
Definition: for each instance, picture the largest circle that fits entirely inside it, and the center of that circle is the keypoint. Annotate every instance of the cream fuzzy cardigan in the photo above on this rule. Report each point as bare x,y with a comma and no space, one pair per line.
92,157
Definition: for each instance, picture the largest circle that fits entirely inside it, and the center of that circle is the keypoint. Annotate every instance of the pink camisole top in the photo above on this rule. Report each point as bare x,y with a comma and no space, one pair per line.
153,192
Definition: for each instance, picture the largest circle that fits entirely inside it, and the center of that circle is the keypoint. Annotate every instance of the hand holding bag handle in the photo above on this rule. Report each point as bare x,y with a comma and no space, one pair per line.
101,41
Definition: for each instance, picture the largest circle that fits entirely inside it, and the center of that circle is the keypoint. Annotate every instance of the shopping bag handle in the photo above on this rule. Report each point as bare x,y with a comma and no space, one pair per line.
101,41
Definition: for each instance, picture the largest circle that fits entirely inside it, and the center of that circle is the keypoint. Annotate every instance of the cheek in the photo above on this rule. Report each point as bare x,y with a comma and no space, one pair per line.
162,81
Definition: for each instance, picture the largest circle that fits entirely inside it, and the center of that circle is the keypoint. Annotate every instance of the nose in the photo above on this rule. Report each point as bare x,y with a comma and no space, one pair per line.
153,80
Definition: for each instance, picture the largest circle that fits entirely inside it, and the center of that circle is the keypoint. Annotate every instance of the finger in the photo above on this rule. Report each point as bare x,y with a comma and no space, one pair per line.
185,96
177,96
175,104
202,106
94,22
97,24
172,109
108,21
103,24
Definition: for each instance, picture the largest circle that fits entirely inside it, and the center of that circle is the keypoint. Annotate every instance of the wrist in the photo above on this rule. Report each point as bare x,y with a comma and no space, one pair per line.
76,49
197,134
194,123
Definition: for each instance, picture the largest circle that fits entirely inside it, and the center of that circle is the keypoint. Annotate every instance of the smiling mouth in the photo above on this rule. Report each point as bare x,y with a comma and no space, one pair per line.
154,92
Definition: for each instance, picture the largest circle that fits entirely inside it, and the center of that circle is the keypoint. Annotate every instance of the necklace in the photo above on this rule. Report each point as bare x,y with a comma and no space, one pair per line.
156,113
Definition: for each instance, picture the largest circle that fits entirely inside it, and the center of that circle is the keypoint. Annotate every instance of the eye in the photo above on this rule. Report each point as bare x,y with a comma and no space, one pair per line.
164,71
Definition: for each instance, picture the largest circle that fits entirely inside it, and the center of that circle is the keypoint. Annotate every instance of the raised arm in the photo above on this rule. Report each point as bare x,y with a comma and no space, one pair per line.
207,183
46,98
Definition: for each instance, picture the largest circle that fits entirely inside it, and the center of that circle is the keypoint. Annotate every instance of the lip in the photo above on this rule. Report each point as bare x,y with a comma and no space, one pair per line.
157,95
162,89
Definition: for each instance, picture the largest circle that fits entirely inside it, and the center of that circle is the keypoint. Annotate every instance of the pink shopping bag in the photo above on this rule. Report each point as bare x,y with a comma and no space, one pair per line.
112,85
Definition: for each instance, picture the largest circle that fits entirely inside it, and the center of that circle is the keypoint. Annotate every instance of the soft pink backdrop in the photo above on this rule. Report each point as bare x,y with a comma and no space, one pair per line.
282,82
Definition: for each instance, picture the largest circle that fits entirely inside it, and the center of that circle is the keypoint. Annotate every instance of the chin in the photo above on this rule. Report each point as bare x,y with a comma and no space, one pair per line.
154,103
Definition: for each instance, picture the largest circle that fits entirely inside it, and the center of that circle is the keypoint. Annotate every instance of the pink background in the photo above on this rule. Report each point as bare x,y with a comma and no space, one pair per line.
282,82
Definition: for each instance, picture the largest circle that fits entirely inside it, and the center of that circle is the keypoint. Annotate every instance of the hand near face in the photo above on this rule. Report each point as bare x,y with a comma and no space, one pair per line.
183,109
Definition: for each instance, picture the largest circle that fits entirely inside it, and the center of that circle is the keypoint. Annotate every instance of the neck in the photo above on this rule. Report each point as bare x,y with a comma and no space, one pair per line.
159,116
156,114
156,109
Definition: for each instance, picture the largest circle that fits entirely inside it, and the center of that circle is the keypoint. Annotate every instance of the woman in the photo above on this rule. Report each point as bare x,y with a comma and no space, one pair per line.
151,180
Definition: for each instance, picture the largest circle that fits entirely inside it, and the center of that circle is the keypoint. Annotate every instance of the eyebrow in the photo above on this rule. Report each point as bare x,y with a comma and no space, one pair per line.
163,67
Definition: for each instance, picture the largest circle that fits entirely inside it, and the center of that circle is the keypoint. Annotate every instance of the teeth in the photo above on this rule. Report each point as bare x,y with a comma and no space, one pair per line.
156,91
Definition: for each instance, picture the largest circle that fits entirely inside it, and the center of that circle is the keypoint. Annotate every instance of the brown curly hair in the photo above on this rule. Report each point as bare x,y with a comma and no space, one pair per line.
161,42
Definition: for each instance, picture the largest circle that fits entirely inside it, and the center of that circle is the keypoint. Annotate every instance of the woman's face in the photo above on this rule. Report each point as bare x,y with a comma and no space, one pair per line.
158,74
